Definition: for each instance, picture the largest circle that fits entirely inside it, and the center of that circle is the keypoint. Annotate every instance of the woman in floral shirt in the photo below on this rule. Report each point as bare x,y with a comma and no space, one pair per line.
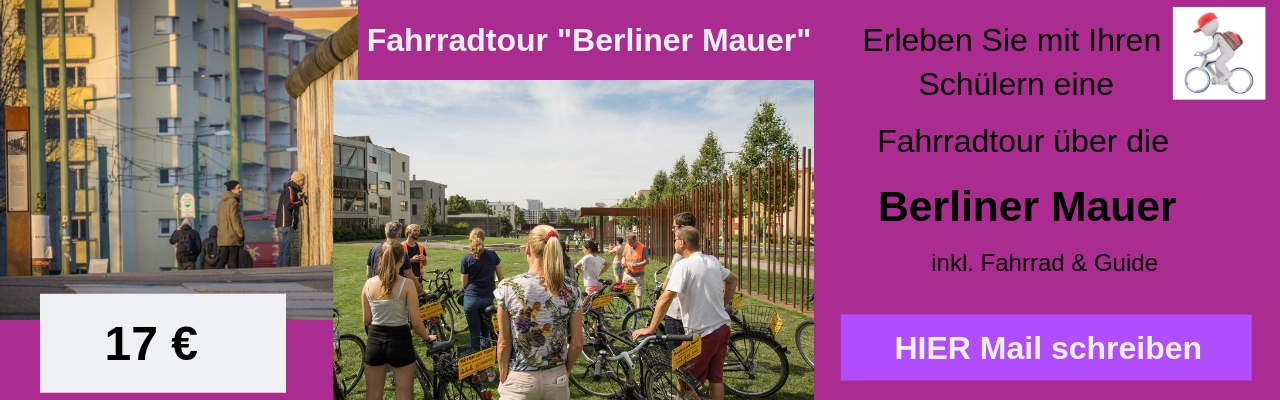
539,323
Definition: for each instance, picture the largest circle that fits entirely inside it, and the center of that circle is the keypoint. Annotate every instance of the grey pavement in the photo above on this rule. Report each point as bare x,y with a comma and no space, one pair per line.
308,290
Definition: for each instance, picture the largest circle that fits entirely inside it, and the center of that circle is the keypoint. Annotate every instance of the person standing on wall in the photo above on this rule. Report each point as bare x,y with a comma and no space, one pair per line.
291,201
187,242
637,256
231,228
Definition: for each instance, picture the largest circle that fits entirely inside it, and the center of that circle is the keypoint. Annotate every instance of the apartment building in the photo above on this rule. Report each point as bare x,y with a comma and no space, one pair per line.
505,210
422,194
147,81
321,21
386,177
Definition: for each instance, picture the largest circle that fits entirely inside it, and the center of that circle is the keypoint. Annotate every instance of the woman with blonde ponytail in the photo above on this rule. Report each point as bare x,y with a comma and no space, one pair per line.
388,317
478,270
539,322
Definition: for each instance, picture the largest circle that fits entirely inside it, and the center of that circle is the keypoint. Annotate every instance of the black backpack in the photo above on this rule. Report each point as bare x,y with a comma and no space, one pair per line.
187,246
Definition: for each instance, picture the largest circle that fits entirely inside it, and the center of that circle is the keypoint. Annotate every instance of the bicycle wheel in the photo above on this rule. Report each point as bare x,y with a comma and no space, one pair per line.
597,376
1197,82
1241,80
349,368
660,382
618,307
638,318
422,375
804,341
338,394
458,390
457,316
759,375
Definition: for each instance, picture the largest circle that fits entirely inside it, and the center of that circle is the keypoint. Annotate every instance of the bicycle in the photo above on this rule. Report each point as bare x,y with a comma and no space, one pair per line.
441,284
804,337
591,374
658,379
348,359
436,381
1209,77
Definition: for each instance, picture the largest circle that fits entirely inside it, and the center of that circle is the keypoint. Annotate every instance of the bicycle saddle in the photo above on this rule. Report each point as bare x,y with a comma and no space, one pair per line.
439,346
428,297
490,310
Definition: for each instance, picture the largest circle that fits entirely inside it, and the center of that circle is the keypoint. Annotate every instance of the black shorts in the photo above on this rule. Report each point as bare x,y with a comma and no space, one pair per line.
389,345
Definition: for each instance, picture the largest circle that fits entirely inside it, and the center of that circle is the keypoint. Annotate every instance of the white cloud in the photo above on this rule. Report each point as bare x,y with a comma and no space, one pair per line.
567,143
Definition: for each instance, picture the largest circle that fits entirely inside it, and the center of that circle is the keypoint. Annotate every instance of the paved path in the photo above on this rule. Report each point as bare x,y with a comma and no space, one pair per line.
309,290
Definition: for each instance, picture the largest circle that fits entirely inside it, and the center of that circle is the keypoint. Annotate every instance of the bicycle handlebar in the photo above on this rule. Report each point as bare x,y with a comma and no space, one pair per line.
645,341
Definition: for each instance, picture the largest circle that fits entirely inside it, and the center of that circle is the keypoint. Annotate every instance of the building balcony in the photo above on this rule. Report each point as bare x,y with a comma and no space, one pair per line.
76,152
275,199
252,105
280,110
75,97
250,58
202,57
252,153
278,65
78,47
204,105
85,249
53,4
200,9
254,199
281,159
86,200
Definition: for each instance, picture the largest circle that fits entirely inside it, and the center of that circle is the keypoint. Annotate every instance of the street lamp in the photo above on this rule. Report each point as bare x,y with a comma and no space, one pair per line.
66,238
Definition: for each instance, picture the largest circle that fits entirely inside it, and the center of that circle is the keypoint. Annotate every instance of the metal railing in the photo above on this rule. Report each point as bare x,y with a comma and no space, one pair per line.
758,222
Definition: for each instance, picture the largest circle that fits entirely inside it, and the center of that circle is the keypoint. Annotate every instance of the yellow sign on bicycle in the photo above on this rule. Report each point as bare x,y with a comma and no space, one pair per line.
628,287
495,322
775,323
600,302
737,299
477,362
430,310
686,352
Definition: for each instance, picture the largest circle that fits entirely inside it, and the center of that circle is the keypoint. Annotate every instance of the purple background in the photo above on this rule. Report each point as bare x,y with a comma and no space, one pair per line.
1213,253
309,365
869,347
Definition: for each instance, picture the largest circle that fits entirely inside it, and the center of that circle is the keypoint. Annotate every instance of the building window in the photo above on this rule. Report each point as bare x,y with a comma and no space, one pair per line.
404,166
217,39
384,185
167,76
404,206
76,128
166,25
385,207
415,210
415,193
167,126
75,77
217,88
79,229
75,25
373,160
168,177
400,187
167,226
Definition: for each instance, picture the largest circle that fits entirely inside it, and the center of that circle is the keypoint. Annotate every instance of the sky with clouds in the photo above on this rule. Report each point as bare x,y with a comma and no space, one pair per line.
567,143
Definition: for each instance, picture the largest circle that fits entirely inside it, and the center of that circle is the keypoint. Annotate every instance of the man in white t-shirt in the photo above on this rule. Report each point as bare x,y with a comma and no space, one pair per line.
703,287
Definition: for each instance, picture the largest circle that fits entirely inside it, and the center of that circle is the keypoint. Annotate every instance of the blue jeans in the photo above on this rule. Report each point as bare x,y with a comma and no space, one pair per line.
479,326
286,246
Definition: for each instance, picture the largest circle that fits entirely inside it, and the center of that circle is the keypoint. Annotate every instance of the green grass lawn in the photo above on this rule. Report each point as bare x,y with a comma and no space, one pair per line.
463,239
349,277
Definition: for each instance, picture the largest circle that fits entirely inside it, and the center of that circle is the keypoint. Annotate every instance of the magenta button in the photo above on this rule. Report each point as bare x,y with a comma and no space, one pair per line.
1046,347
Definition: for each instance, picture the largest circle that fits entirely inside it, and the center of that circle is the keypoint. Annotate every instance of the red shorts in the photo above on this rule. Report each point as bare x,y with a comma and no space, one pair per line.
709,365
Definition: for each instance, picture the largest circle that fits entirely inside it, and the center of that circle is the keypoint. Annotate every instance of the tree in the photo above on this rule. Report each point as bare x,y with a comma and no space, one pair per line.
600,205
519,215
429,218
482,207
628,222
504,227
459,204
658,189
708,168
678,181
563,220
768,144
544,219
